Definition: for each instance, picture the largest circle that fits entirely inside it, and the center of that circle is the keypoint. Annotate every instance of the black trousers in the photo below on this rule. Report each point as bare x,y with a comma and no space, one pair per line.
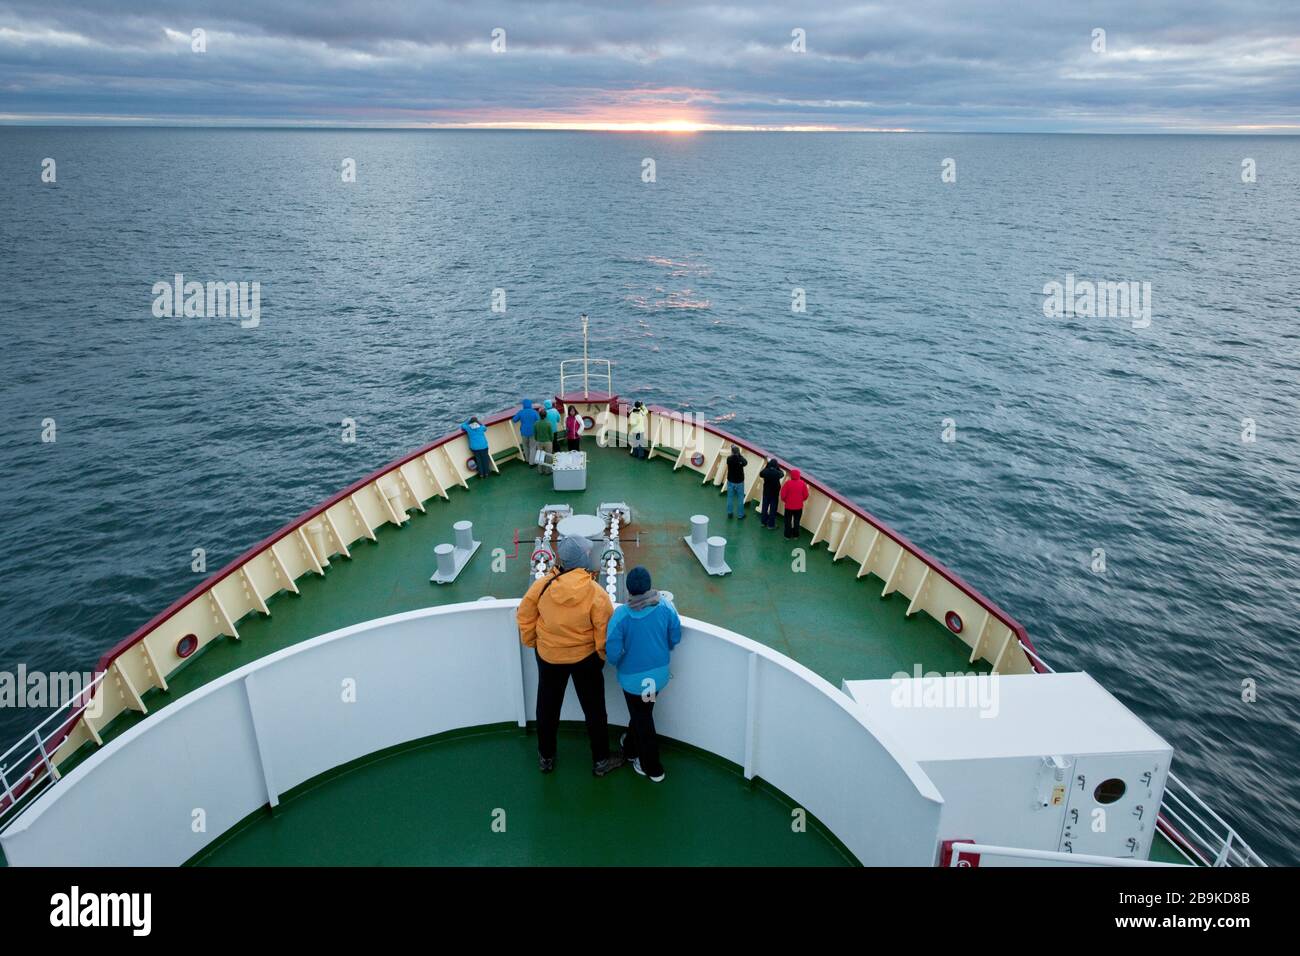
792,522
589,682
768,513
575,444
641,742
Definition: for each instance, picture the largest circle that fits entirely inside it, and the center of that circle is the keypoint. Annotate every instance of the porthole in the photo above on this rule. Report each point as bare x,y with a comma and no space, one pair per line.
187,645
471,463
698,459
1108,791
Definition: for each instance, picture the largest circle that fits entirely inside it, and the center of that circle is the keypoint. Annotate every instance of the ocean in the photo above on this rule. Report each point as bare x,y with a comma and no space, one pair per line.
1124,480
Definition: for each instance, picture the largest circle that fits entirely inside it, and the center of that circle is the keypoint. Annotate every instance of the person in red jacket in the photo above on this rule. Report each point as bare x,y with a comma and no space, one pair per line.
793,494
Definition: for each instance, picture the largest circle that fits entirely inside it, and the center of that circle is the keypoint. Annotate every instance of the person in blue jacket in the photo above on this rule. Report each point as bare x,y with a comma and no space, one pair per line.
527,417
638,642
478,446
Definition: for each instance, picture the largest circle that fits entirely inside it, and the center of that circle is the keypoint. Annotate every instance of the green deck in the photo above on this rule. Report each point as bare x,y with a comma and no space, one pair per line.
435,804
822,617
430,802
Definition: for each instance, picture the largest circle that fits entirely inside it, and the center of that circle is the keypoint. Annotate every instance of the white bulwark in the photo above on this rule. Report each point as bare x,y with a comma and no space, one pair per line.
1038,761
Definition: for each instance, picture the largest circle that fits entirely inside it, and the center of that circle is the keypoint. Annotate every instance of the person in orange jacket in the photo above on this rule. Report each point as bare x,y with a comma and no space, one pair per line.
562,618
793,494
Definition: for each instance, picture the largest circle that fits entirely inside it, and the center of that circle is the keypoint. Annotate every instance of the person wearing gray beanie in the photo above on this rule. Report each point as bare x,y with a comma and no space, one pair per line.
574,552
562,618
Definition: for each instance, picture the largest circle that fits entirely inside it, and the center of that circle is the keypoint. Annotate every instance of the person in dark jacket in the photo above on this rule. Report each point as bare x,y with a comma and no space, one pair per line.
736,482
771,474
793,494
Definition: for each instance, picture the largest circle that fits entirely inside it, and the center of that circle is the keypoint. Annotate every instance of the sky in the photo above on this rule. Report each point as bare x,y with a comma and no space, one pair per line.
934,65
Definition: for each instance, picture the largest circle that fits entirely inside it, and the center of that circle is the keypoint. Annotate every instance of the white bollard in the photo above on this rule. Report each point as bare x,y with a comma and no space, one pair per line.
446,560
464,534
717,547
699,529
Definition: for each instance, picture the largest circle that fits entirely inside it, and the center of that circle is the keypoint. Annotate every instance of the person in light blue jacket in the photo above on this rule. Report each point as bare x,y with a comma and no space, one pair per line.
478,446
638,642
556,419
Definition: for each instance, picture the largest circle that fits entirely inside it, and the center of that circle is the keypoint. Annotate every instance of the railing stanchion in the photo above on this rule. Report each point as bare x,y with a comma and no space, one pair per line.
45,757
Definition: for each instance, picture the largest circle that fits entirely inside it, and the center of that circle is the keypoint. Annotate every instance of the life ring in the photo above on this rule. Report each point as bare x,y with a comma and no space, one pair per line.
187,645
544,554
588,423
471,463
610,552
954,622
698,459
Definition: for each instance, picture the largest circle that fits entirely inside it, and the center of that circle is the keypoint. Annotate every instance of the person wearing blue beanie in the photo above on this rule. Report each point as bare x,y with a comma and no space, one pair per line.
639,640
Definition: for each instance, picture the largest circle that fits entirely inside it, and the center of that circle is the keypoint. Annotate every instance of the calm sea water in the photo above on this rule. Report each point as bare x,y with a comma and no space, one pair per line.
924,303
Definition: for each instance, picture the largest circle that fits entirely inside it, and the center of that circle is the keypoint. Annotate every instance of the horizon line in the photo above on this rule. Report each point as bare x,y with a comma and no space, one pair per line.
21,122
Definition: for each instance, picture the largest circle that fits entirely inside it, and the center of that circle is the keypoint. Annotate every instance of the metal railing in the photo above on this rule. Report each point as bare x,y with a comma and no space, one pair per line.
1197,838
1186,829
581,378
1048,856
27,773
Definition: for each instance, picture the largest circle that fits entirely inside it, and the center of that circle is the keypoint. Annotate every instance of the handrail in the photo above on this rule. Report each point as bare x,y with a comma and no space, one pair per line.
1200,837
41,768
1070,859
585,373
1043,666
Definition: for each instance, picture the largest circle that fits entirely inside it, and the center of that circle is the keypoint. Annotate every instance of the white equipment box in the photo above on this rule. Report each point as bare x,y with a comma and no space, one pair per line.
1037,761
570,471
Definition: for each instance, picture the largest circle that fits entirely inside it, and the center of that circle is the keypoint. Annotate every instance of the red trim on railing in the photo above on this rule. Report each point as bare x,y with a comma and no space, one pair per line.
938,566
593,398
1172,833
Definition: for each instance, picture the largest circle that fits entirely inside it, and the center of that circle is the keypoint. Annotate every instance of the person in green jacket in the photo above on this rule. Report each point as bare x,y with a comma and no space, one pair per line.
544,440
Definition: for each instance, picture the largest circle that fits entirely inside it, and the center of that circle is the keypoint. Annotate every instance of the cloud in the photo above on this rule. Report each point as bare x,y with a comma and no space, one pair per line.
922,64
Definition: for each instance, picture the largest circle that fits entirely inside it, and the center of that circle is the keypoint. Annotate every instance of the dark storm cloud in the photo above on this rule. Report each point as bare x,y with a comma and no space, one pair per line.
926,64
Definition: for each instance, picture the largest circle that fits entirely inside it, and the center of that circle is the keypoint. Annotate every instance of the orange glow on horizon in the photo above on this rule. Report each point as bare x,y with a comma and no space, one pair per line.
650,112
655,126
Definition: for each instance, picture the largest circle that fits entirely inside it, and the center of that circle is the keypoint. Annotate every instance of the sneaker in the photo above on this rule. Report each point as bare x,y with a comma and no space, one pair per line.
742,517
545,764
636,765
610,763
